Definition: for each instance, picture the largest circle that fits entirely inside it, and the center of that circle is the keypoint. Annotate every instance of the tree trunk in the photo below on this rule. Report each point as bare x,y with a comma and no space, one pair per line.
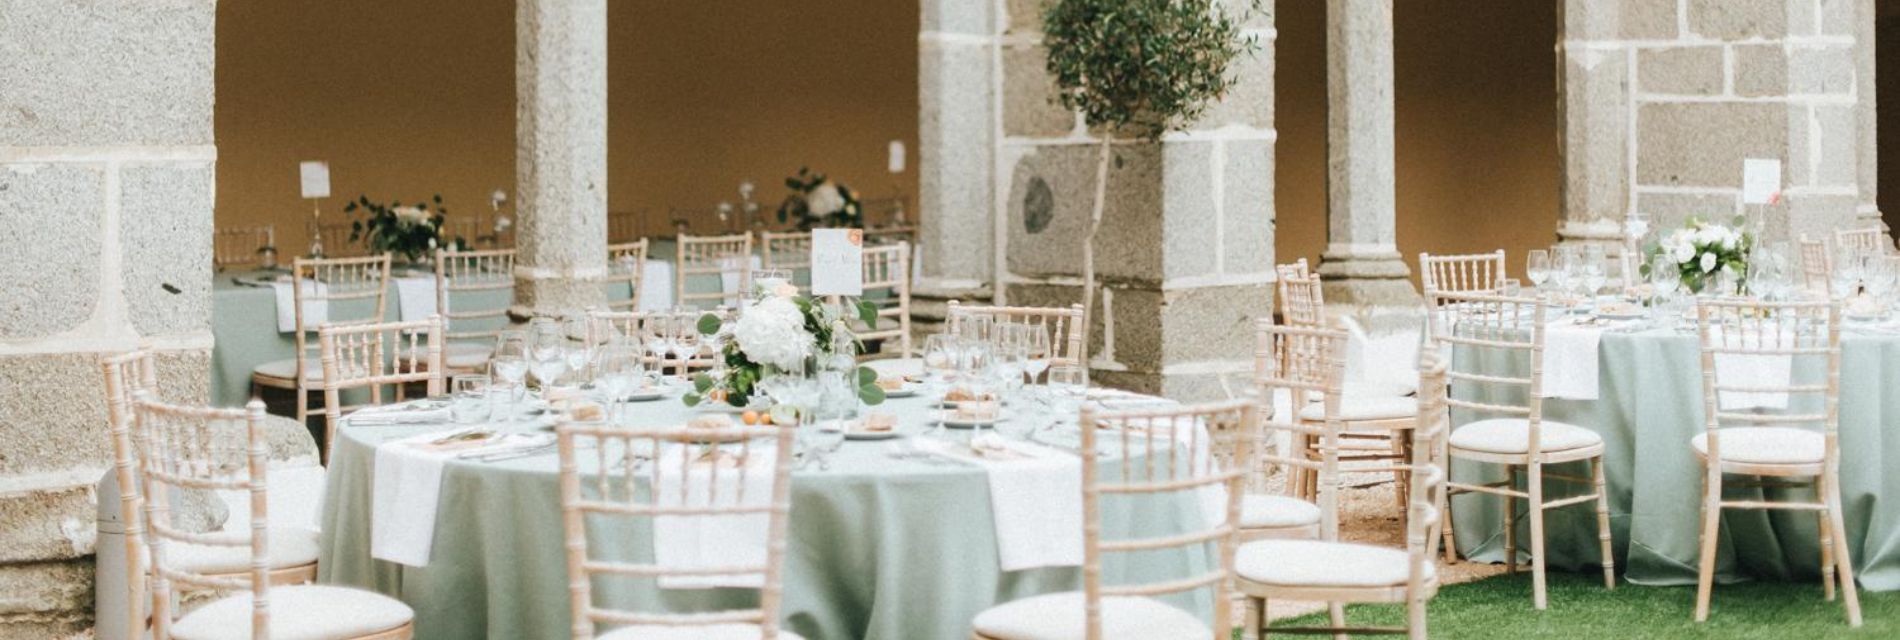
1088,247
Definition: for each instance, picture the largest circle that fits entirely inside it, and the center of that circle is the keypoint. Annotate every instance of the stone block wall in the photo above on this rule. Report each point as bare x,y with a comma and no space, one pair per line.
1664,99
106,189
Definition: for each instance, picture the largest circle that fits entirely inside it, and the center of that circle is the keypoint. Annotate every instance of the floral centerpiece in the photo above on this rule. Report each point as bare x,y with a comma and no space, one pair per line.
412,232
780,329
1703,250
819,202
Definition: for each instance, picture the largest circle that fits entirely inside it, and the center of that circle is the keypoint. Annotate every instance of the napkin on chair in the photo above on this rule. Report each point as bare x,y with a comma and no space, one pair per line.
656,286
1035,501
1753,370
1570,361
415,298
315,312
403,495
697,542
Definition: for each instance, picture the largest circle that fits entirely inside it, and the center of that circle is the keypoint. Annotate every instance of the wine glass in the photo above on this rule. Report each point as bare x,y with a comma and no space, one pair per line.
978,366
509,364
1036,351
940,367
1537,267
1592,272
975,329
547,353
1845,281
652,335
685,342
1564,273
620,373
579,351
1011,354
1664,277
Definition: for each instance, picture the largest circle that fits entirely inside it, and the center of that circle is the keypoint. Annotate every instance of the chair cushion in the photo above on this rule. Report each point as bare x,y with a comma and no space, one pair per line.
1512,435
306,612
464,355
289,547
1312,563
287,369
1766,445
1276,512
715,632
1364,408
1063,616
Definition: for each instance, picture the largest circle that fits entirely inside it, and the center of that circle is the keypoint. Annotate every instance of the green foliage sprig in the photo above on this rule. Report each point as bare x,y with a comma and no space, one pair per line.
1143,67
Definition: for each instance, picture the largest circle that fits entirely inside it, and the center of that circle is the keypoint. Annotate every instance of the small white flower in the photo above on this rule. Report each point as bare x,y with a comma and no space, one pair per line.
1682,252
825,199
1708,262
773,332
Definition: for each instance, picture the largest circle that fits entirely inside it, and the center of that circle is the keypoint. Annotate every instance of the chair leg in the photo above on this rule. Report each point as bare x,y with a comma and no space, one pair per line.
1536,482
1510,518
1415,618
1711,523
1603,524
1845,567
1337,614
1446,531
1827,544
1254,620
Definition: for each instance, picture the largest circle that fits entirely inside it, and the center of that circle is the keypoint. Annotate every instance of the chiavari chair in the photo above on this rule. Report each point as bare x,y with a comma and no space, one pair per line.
887,269
1160,455
1817,267
627,262
1462,274
1301,302
1069,356
325,281
1862,240
624,226
1796,444
184,448
725,257
1493,327
238,246
788,251
613,489
469,334
372,356
1338,573
1301,362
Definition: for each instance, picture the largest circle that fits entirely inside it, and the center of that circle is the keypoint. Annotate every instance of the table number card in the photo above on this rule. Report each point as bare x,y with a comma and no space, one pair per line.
315,178
1761,180
837,262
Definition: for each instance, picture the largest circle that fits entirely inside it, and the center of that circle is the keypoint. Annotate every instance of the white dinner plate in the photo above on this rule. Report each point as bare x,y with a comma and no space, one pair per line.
955,422
645,395
860,434
901,392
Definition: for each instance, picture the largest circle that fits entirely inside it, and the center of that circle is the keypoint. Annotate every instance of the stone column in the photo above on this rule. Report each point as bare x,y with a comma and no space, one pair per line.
959,113
560,155
1865,20
106,194
1361,265
1185,253
1594,114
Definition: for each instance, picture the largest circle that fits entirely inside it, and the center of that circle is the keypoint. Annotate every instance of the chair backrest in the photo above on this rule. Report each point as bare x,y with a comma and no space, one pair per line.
1745,335
1817,267
1493,328
1070,355
887,268
723,256
468,229
1303,362
624,226
238,246
1159,455
790,251
336,240
603,484
1858,240
126,375
200,448
634,328
890,235
329,280
485,270
1301,302
374,355
1430,471
1462,274
627,262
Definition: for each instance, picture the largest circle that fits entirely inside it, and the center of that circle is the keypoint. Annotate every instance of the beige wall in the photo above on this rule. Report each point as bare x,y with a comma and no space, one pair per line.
406,99
1476,104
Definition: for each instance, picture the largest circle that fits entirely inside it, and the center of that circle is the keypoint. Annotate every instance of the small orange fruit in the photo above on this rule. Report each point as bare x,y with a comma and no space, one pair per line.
750,417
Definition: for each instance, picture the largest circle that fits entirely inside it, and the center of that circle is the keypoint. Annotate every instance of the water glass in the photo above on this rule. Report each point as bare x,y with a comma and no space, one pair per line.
1537,267
509,365
1510,287
470,402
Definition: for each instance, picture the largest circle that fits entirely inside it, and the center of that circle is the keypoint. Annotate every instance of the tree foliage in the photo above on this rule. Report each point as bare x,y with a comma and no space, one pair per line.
1144,67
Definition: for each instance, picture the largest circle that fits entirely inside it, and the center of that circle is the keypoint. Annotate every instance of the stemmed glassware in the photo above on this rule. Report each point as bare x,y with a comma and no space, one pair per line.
1663,278
509,364
940,367
1537,267
1566,271
685,340
547,353
978,367
1011,356
1592,273
620,373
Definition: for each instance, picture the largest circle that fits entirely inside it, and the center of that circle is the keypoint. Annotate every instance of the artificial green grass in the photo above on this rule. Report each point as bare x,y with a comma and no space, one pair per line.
1581,609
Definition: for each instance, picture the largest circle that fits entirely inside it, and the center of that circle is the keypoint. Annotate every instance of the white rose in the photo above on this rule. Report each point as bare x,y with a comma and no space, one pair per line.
772,332
1683,252
1708,262
411,215
825,200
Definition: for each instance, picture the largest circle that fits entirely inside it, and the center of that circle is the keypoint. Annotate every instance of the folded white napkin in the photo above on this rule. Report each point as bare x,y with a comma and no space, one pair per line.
1035,501
397,414
315,312
403,494
685,542
415,298
1750,370
1570,361
656,286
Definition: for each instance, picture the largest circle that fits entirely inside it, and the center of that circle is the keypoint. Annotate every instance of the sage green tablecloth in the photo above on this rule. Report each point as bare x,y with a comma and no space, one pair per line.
1649,405
880,548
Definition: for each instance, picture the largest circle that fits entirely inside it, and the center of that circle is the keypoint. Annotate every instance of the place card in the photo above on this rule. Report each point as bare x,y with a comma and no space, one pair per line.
837,262
315,178
1761,180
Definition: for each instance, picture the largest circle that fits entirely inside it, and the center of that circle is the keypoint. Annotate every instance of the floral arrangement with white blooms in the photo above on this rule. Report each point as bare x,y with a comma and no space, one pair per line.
413,232
779,329
1703,250
817,201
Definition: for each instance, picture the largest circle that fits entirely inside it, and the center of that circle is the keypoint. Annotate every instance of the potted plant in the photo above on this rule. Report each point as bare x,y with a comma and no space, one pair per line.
1138,69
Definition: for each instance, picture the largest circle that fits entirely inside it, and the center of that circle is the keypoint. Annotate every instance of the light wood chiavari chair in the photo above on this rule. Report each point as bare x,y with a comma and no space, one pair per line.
1796,446
1862,240
633,328
238,246
624,226
336,240
195,448
1495,327
1462,274
1301,362
614,488
1817,267
357,356
887,269
1161,453
627,262
327,281
789,251
727,257
1301,302
1340,573
1069,358
470,334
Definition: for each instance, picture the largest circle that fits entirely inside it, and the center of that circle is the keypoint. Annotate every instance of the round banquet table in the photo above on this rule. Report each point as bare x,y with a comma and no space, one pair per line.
1648,406
880,548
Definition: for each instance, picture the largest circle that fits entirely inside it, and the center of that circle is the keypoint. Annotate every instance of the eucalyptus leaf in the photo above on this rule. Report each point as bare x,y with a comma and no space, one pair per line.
871,394
867,311
708,324
702,382
867,375
691,399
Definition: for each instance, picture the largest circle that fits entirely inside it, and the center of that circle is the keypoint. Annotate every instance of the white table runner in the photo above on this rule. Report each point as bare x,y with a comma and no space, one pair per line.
1035,501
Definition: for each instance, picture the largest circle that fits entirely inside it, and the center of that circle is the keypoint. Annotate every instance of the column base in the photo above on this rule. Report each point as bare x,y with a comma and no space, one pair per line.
1599,232
554,297
1378,279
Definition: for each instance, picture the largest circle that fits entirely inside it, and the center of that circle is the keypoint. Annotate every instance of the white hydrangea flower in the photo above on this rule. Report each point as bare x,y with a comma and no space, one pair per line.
825,199
1708,262
772,332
